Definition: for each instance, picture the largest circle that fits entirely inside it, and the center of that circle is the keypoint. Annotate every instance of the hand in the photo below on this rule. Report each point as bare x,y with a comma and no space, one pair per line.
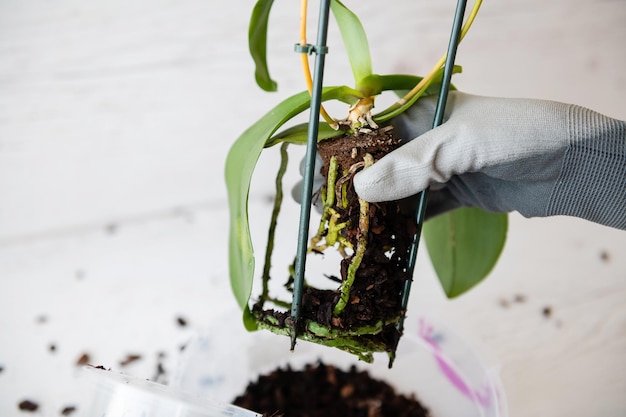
318,181
537,157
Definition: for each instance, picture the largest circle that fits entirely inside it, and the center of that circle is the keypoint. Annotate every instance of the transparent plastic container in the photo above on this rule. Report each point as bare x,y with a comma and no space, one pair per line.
436,365
119,395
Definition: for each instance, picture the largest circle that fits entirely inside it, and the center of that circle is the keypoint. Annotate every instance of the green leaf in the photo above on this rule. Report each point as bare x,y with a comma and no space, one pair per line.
240,163
464,246
355,41
257,43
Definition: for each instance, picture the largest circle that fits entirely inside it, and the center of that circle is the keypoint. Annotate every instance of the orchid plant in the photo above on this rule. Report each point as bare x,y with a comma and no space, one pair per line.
463,245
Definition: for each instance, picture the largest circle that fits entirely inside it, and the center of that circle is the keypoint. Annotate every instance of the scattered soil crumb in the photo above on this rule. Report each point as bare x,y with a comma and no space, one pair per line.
517,298
605,256
1,368
41,319
181,321
547,312
111,228
83,359
130,358
28,405
321,390
52,348
66,411
160,374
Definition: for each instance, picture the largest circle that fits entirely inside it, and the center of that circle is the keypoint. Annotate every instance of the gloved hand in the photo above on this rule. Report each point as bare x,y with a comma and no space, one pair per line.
539,158
318,180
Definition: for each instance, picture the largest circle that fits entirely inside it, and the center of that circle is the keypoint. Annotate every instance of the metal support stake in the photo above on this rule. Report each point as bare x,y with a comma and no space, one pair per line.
311,150
438,120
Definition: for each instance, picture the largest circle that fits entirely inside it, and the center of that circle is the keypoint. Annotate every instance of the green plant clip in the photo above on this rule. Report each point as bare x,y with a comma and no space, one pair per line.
310,49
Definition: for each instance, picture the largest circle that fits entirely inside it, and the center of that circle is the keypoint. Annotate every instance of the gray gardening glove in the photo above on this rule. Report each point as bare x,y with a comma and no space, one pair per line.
539,158
318,180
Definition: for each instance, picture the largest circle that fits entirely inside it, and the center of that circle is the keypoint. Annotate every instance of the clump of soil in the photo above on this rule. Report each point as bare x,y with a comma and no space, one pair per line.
376,293
28,405
385,230
130,358
68,410
325,391
84,359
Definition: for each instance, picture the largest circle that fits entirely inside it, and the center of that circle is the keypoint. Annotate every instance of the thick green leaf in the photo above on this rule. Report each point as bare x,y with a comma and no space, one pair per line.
464,246
257,43
240,163
355,41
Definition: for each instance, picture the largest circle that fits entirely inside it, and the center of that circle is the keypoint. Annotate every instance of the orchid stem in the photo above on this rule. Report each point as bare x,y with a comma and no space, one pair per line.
421,86
305,64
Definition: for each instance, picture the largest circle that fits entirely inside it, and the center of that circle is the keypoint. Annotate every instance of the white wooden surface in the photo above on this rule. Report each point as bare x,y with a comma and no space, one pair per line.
115,119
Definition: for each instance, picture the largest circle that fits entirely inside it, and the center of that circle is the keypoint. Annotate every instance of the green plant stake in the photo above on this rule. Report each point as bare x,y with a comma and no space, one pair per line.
307,188
455,37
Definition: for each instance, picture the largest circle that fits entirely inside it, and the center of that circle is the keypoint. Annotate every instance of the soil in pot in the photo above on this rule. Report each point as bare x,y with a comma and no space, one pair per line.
322,390
362,314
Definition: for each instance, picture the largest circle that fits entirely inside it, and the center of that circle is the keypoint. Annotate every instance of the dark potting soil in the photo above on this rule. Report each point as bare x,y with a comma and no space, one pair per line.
28,405
382,273
377,290
322,390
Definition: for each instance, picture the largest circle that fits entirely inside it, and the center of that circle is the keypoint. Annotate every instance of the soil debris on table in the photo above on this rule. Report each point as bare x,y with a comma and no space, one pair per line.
130,358
28,405
68,410
83,359
181,321
504,303
516,299
520,298
160,374
321,390
547,312
605,256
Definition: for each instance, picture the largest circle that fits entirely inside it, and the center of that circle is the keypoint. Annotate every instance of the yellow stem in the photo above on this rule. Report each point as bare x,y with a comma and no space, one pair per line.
305,63
440,63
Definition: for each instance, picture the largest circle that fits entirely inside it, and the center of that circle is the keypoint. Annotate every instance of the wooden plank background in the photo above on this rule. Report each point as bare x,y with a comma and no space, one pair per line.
115,119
